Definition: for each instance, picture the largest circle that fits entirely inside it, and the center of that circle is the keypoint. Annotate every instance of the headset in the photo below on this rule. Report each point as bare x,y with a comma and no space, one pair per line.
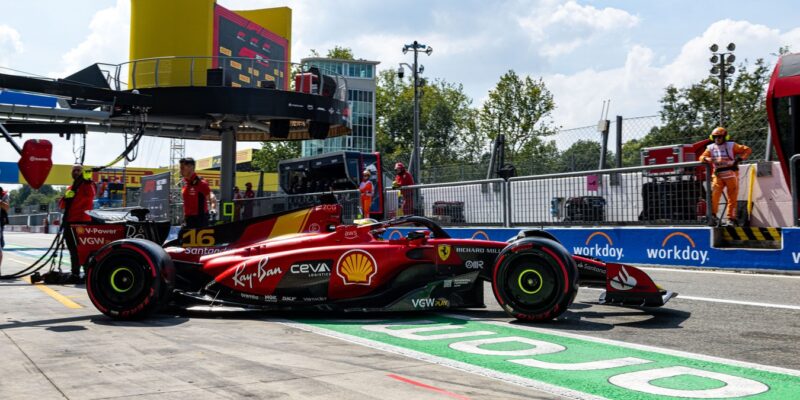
727,135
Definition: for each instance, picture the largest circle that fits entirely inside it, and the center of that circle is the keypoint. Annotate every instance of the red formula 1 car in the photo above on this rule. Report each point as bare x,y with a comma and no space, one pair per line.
307,259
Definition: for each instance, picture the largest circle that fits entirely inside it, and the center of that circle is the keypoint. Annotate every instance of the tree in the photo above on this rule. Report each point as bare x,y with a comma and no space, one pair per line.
583,155
341,53
266,159
690,114
521,109
448,129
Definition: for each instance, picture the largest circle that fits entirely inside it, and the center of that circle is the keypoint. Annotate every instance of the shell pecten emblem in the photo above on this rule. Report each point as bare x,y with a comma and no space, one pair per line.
356,267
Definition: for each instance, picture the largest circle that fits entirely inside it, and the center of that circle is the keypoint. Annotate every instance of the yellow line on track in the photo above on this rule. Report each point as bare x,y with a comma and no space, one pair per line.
58,296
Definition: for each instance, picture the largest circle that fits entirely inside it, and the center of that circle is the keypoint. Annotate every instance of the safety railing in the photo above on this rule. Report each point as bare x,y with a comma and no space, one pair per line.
649,195
224,71
475,203
794,176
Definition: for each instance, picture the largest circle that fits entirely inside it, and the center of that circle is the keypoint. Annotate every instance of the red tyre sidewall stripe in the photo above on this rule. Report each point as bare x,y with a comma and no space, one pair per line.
494,278
144,255
560,264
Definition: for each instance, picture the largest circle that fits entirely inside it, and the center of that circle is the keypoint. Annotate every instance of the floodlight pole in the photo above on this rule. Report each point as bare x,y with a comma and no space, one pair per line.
416,165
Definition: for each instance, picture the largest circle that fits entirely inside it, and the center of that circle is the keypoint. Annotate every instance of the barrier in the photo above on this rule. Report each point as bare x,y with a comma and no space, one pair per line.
673,246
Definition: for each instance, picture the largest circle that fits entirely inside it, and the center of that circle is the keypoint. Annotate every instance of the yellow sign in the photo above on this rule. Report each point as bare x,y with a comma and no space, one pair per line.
444,251
357,267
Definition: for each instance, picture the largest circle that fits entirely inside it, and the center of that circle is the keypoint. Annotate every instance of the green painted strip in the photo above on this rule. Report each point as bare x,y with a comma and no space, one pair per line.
593,367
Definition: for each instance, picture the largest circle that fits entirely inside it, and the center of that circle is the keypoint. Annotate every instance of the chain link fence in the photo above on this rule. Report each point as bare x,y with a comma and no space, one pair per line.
579,149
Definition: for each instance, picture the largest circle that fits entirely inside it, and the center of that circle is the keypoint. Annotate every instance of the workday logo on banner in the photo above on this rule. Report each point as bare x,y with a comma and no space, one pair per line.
677,250
599,245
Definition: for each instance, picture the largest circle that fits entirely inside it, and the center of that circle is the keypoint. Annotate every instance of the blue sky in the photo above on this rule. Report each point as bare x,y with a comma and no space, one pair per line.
585,51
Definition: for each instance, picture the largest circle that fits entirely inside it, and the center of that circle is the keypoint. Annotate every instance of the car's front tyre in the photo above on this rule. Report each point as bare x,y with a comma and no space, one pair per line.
535,279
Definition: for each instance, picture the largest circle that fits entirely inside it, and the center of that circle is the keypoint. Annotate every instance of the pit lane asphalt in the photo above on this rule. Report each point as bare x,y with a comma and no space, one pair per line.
51,351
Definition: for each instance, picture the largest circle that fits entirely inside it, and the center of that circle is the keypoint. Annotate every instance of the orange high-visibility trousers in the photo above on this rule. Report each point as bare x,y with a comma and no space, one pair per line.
717,185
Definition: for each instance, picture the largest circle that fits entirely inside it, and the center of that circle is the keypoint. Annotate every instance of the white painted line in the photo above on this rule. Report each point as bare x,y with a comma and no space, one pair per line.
461,366
670,352
695,271
744,303
724,301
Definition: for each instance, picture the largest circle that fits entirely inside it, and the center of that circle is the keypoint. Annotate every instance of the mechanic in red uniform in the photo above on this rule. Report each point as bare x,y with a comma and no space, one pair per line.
403,178
78,199
248,203
197,196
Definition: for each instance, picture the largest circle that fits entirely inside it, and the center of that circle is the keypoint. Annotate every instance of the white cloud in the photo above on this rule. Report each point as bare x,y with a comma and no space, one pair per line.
559,29
10,45
636,87
107,41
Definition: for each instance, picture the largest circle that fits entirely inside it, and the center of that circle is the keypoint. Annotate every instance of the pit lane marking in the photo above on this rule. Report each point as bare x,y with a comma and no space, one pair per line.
427,387
748,273
445,362
58,296
725,301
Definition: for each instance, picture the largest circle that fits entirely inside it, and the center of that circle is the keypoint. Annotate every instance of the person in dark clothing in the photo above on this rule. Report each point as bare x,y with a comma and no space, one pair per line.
4,205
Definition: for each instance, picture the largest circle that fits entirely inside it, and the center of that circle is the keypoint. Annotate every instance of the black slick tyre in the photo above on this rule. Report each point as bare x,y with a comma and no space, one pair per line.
130,278
535,279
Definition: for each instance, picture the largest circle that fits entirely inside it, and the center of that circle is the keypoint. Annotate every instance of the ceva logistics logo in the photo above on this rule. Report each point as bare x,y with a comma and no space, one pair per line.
608,251
677,252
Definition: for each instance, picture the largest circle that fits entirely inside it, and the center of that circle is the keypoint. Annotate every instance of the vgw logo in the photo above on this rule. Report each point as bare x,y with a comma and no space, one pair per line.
676,252
608,251
796,257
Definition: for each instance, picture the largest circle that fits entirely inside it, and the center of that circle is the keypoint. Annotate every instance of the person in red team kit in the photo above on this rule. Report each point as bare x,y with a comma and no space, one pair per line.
198,201
247,204
78,199
403,178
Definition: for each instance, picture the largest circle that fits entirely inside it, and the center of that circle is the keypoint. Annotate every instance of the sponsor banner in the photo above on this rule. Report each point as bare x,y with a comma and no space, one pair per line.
688,246
155,195
9,172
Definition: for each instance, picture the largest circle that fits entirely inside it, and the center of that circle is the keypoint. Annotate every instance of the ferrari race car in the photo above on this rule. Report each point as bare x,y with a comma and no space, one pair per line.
308,259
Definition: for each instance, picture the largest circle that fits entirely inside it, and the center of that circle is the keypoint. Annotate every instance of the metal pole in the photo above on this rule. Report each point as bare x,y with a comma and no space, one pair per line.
619,141
708,195
793,180
604,146
227,173
722,75
768,151
416,173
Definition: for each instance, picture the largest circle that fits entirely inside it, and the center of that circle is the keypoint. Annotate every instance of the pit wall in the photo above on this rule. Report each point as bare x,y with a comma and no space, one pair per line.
682,247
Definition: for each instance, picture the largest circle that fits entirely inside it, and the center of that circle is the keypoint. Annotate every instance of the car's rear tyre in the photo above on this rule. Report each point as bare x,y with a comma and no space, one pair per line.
535,279
130,278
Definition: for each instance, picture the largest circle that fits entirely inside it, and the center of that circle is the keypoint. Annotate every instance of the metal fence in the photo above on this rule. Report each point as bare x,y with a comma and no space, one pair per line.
648,195
477,202
579,149
625,196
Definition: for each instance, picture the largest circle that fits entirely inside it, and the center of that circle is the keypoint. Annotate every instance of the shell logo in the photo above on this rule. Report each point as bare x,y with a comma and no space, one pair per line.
356,267
79,230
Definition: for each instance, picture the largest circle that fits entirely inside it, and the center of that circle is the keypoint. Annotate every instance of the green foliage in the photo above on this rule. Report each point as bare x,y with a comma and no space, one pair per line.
448,131
690,114
266,159
337,52
521,109
25,196
583,155
341,53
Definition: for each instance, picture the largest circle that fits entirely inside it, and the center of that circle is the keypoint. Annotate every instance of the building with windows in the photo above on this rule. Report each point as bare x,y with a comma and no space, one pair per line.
361,84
